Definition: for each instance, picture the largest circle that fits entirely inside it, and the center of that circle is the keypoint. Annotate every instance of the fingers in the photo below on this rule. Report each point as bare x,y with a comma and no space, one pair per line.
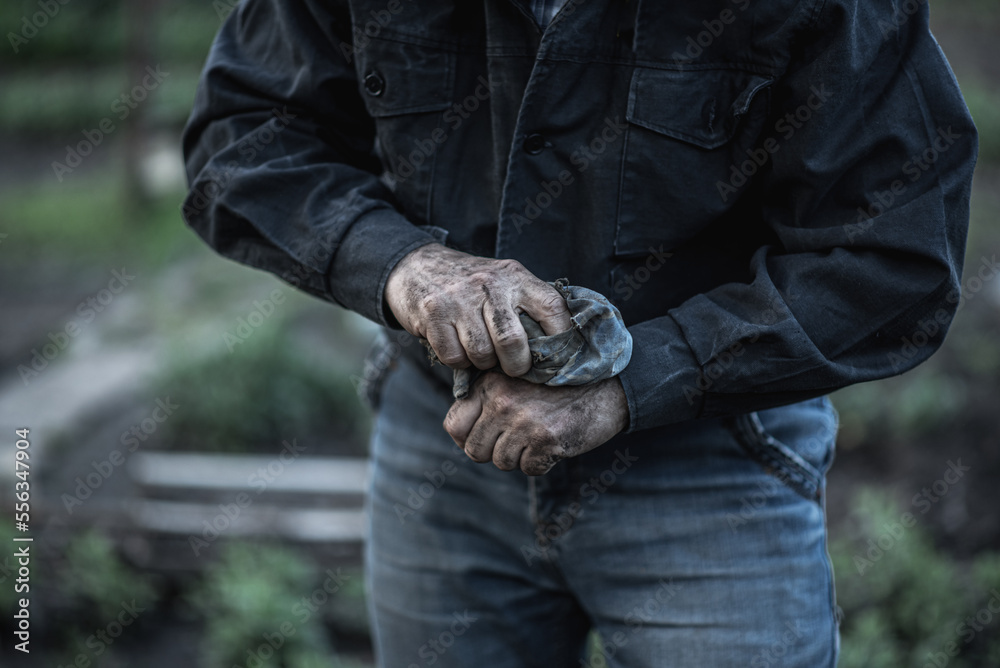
510,342
445,341
477,342
462,416
546,307
486,426
482,438
507,450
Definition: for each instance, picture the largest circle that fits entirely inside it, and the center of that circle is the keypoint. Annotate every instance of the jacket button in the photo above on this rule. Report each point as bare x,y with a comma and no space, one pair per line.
374,83
534,144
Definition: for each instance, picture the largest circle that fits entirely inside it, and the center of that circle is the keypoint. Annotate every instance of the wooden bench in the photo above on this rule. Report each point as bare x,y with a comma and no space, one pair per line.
188,504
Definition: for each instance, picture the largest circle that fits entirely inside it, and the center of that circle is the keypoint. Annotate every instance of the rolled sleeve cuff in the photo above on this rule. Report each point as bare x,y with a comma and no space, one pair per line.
661,380
366,256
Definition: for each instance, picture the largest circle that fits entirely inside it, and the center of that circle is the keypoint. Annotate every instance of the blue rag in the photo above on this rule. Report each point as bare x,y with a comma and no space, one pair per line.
597,347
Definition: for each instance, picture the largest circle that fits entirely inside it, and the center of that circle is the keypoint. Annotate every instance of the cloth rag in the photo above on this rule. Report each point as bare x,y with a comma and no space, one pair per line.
598,345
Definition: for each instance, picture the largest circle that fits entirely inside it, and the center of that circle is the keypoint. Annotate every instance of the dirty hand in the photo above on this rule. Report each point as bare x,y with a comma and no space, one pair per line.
523,425
467,307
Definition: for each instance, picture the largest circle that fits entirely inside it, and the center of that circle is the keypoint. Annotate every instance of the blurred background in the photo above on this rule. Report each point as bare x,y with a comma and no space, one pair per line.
196,441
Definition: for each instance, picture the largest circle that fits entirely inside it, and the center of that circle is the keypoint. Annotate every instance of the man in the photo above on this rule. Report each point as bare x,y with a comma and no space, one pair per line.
774,195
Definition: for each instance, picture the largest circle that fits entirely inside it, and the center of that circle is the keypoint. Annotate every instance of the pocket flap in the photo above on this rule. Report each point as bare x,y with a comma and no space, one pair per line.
398,78
701,107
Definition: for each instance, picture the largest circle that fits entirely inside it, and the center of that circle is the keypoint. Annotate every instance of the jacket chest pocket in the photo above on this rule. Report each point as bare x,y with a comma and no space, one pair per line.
406,88
687,130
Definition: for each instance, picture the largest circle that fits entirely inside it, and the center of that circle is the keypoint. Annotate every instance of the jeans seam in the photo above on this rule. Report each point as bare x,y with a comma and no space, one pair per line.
773,456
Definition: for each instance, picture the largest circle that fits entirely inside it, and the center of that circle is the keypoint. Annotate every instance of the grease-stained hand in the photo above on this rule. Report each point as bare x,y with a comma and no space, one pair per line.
518,424
467,307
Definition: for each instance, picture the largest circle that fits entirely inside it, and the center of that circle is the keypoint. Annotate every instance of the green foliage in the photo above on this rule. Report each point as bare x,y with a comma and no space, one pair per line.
259,395
44,100
97,581
94,31
903,598
984,103
88,219
252,594
922,401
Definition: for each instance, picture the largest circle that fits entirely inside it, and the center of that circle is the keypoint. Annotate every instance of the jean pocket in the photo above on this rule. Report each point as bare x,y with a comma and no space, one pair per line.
686,129
794,443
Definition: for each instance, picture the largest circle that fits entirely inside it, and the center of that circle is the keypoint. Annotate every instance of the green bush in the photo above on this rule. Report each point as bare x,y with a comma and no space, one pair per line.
96,580
984,104
94,31
903,599
251,603
260,395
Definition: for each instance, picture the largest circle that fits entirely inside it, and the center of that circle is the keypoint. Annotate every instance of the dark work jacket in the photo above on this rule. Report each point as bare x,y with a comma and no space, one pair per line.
774,193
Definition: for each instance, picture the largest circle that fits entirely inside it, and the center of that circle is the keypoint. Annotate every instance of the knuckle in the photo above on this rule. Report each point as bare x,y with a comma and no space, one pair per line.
452,359
480,277
553,305
510,339
479,351
511,344
502,402
511,266
504,460
450,356
477,455
429,303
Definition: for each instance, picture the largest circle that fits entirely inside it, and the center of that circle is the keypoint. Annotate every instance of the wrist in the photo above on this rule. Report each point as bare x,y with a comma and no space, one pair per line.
393,294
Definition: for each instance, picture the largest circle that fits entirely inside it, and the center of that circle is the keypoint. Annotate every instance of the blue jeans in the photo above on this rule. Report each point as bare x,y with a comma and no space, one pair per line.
698,545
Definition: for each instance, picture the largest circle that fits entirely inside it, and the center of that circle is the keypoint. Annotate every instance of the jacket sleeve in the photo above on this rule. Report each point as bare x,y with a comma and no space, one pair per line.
866,192
280,161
